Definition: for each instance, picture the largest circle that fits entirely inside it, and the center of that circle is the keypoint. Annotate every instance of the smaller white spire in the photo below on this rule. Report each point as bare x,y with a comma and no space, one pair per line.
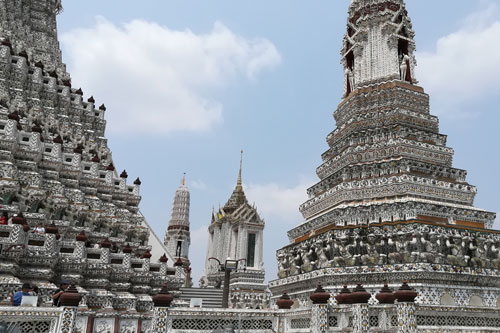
177,238
180,208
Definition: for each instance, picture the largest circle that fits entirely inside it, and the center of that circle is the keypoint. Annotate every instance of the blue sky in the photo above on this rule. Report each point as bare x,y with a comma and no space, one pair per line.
187,84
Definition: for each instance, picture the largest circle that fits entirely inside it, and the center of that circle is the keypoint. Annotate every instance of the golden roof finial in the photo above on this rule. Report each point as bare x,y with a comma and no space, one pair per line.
239,186
184,179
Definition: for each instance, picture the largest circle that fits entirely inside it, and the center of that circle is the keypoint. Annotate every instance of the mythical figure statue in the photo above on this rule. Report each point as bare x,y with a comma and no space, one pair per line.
349,76
398,248
78,139
417,246
495,254
455,256
370,254
479,253
431,249
283,265
347,251
321,253
466,244
104,153
403,66
336,254
297,263
382,250
308,260
391,246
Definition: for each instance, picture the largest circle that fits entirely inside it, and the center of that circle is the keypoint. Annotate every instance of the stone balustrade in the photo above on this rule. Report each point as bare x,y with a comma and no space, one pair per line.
340,318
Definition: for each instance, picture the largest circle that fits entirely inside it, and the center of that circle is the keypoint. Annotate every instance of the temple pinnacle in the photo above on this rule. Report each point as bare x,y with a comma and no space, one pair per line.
184,179
239,186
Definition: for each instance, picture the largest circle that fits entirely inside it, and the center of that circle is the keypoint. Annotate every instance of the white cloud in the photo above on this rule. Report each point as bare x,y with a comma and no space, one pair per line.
465,65
274,201
157,80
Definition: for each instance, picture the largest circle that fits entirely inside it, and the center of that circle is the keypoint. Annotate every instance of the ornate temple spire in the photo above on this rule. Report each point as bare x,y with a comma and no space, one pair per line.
180,208
239,185
379,44
238,197
387,146
236,231
177,238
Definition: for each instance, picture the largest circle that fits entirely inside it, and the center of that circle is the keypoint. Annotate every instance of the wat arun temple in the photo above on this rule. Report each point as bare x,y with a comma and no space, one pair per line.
389,205
390,242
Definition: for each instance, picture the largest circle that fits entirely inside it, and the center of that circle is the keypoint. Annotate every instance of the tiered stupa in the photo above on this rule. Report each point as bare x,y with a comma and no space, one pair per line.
236,232
389,205
177,237
57,171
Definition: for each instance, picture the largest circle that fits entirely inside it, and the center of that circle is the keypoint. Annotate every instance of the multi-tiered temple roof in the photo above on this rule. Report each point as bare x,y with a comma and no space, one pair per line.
389,203
236,232
58,173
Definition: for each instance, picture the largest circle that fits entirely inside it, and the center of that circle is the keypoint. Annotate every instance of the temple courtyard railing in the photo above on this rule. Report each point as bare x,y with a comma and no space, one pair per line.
349,311
338,318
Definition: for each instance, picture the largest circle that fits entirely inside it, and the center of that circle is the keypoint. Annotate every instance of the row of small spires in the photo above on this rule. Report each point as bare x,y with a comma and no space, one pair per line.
82,237
71,297
359,295
52,229
38,129
79,149
39,64
106,243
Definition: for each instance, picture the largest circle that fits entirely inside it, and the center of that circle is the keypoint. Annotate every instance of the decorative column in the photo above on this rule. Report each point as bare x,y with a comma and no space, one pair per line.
69,301
146,256
105,245
241,248
160,315
19,219
178,268
385,297
81,250
163,265
343,298
51,233
319,311
137,186
360,321
127,251
259,250
359,298
188,282
407,319
284,303
216,252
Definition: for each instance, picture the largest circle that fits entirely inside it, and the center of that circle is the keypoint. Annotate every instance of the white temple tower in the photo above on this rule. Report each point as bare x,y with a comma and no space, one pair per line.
58,171
236,232
177,238
389,205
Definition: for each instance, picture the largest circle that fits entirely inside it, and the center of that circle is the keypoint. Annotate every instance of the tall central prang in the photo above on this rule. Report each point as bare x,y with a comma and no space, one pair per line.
68,215
389,205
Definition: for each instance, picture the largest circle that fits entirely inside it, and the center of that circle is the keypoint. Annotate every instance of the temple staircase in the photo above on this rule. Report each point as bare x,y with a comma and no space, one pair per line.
211,297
